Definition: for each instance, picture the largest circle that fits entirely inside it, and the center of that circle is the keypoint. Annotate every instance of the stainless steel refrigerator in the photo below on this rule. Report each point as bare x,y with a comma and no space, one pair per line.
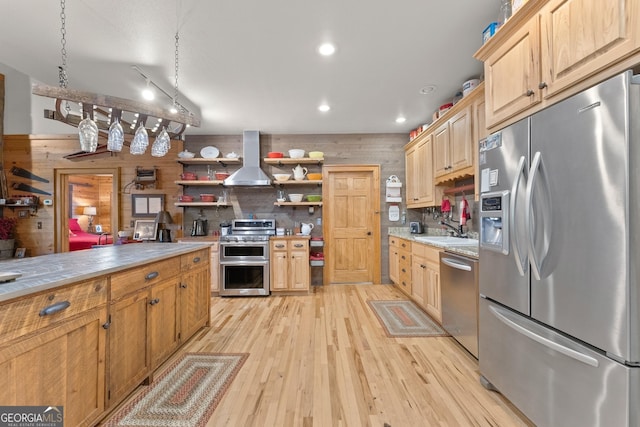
560,259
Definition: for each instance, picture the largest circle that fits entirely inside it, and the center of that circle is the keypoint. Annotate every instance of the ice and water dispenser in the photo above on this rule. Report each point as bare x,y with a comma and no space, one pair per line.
494,221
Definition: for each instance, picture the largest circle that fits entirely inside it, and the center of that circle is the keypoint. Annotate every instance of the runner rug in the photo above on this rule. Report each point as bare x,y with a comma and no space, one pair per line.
404,319
185,395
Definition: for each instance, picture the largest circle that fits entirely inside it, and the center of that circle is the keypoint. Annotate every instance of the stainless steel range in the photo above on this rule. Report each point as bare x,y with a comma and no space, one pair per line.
244,257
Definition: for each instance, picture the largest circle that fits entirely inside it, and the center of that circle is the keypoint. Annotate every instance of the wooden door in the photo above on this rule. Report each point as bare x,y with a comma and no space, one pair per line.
441,161
279,265
300,277
460,140
582,37
129,359
512,74
62,366
194,291
163,321
351,223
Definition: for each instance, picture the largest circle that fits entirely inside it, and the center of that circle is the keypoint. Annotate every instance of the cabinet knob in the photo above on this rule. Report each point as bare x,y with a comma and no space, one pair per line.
542,85
529,93
280,245
106,325
151,275
183,286
196,260
299,245
154,301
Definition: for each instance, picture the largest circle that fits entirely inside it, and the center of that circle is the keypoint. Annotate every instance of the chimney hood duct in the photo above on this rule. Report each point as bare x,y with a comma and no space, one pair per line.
250,174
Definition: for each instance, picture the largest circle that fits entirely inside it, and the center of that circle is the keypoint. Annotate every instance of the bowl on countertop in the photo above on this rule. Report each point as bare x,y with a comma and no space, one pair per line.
282,176
296,154
296,197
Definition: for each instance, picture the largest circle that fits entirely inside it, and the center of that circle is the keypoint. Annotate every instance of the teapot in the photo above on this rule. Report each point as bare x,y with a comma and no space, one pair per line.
299,173
305,228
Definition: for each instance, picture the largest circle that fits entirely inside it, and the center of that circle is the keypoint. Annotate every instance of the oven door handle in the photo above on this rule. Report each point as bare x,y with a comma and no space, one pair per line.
244,263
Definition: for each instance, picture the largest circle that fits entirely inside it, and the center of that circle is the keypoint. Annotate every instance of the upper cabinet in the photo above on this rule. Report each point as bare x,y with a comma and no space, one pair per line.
445,152
419,172
453,145
550,50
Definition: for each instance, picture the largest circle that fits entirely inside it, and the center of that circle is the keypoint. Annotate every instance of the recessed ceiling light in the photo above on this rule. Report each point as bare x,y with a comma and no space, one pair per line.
428,89
324,108
401,119
327,49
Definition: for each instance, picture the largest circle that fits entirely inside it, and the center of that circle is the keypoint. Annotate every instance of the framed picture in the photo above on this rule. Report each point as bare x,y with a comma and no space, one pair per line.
23,213
98,228
145,229
146,205
20,252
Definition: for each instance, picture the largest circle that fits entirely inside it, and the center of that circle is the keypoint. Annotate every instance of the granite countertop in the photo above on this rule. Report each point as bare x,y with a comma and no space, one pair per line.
403,233
51,271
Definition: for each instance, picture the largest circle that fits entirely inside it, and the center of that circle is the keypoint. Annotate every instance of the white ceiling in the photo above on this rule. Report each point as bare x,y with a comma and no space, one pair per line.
253,64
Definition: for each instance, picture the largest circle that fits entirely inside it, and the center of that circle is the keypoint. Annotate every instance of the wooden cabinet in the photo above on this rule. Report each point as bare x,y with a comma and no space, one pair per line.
394,260
480,132
512,74
452,145
550,50
289,265
420,172
195,293
62,362
400,263
215,268
154,309
129,358
163,321
425,275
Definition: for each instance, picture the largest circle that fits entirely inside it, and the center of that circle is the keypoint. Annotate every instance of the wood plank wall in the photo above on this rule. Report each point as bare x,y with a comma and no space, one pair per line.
383,149
42,154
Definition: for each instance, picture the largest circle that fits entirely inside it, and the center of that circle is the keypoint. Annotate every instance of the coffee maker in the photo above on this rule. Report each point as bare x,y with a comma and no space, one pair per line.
199,227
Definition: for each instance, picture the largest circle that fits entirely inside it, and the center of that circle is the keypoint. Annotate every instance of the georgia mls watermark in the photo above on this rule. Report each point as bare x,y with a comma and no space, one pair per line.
31,416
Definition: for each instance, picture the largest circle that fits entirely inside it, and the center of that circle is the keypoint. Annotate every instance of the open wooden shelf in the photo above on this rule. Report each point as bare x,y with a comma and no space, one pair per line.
289,161
201,161
198,183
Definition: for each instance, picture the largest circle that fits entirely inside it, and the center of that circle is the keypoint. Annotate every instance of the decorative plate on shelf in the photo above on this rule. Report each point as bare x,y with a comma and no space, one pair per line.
209,152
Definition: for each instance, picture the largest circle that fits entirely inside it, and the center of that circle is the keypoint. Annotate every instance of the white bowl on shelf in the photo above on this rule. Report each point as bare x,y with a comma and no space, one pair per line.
282,176
296,198
296,154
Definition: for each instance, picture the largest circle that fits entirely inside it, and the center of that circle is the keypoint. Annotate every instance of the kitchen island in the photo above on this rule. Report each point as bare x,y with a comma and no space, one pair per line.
82,330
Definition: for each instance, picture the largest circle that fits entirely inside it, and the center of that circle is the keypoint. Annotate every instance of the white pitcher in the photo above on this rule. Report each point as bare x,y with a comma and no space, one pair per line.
305,228
299,173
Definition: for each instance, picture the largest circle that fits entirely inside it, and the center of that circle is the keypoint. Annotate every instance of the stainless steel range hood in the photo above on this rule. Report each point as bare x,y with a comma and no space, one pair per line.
250,174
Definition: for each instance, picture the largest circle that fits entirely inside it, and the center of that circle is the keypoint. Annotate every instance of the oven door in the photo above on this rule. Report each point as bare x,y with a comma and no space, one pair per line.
244,251
244,278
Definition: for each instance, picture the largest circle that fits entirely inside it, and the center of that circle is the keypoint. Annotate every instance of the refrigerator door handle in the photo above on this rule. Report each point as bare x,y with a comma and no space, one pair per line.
581,357
520,257
533,258
455,264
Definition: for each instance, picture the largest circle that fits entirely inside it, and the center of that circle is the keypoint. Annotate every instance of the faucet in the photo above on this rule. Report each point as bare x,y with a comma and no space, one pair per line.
457,232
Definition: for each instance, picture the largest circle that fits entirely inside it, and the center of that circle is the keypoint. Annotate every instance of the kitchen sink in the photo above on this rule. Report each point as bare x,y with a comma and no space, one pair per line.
447,240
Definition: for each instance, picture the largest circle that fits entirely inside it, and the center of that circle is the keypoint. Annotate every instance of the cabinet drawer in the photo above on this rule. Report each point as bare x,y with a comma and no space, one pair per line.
28,314
140,277
393,241
298,245
194,259
428,252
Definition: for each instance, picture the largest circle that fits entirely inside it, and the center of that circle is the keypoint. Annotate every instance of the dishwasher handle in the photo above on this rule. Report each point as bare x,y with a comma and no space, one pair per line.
455,264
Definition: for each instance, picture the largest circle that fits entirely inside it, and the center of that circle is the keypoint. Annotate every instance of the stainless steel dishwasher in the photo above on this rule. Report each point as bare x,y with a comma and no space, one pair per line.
459,292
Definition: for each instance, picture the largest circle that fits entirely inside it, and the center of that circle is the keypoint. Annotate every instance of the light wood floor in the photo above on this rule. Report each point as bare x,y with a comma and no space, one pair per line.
324,360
